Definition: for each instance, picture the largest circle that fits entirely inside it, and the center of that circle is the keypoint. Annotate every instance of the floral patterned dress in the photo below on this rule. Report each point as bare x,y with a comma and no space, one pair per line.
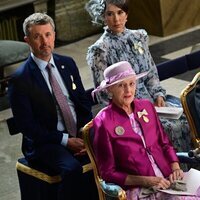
132,46
134,194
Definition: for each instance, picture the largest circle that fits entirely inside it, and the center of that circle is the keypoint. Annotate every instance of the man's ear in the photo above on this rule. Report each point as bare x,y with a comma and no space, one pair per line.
26,39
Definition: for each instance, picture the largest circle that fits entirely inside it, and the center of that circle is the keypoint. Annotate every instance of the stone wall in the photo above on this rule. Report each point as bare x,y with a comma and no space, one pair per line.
72,20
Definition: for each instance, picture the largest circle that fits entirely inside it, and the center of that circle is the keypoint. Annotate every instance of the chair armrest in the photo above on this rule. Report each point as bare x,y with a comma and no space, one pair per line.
112,191
185,158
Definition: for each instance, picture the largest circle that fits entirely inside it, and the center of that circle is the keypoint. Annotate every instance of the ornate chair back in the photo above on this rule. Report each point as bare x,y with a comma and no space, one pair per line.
190,99
106,190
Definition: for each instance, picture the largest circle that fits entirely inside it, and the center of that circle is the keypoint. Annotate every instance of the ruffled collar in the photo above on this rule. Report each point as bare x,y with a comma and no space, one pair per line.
116,35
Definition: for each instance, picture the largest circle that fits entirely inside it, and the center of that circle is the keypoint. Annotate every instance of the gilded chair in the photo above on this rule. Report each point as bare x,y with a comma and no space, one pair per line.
37,182
190,99
105,190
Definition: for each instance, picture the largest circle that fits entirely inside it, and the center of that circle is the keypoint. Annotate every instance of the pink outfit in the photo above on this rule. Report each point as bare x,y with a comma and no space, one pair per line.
121,154
136,145
137,129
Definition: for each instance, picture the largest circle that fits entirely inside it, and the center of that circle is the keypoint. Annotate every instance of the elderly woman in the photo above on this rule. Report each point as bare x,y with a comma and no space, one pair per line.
131,147
118,43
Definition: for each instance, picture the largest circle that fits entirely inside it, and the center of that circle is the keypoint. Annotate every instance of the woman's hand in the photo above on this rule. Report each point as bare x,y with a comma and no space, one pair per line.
158,182
177,174
147,181
159,102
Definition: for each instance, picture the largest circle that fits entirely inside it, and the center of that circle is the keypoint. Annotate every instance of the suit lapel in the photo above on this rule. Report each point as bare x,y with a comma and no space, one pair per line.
37,75
65,73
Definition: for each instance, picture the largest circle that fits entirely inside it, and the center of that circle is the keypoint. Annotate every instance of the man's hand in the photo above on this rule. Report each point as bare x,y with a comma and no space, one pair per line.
76,145
81,153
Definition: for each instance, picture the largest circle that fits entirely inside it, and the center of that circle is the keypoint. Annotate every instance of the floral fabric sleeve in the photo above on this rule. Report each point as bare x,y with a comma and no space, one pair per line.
152,82
97,61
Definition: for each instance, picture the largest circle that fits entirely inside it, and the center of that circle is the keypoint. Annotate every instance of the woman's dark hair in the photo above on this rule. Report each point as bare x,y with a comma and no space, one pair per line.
123,4
96,8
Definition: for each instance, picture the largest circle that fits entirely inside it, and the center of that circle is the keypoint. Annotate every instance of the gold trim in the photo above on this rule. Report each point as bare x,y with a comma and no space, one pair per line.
44,177
89,149
183,97
88,167
86,137
37,174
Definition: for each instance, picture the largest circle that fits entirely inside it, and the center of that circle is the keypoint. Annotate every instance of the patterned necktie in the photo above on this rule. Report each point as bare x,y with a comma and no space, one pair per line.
62,103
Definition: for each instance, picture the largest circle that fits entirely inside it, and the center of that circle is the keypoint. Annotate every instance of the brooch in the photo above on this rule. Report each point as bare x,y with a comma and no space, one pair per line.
139,48
73,84
119,130
143,115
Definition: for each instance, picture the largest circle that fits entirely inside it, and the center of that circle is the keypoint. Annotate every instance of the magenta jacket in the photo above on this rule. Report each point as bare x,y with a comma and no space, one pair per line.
120,151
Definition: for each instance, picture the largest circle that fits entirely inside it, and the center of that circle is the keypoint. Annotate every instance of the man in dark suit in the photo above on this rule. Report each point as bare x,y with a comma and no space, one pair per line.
37,113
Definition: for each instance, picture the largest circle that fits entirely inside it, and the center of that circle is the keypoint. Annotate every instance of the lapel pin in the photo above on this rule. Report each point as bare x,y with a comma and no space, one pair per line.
73,84
143,114
139,48
145,119
119,130
62,67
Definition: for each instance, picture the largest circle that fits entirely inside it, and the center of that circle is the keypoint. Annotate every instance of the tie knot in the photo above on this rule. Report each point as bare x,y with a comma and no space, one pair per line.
49,66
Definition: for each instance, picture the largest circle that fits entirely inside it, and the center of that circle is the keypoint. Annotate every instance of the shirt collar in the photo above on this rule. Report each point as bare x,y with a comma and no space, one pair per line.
41,63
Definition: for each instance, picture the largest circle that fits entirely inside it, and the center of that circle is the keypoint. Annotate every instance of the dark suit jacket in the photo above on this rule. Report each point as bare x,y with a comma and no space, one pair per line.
33,106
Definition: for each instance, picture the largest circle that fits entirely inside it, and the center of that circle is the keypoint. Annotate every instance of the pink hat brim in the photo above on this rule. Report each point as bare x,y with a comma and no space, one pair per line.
105,85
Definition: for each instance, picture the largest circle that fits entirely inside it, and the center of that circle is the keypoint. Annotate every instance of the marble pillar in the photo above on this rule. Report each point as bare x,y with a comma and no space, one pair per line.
164,17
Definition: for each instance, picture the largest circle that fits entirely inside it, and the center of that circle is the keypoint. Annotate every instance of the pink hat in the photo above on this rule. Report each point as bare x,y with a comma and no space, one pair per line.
117,73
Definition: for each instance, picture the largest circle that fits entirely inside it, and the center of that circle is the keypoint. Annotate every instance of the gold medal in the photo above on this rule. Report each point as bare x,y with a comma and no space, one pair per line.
145,119
119,130
73,86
